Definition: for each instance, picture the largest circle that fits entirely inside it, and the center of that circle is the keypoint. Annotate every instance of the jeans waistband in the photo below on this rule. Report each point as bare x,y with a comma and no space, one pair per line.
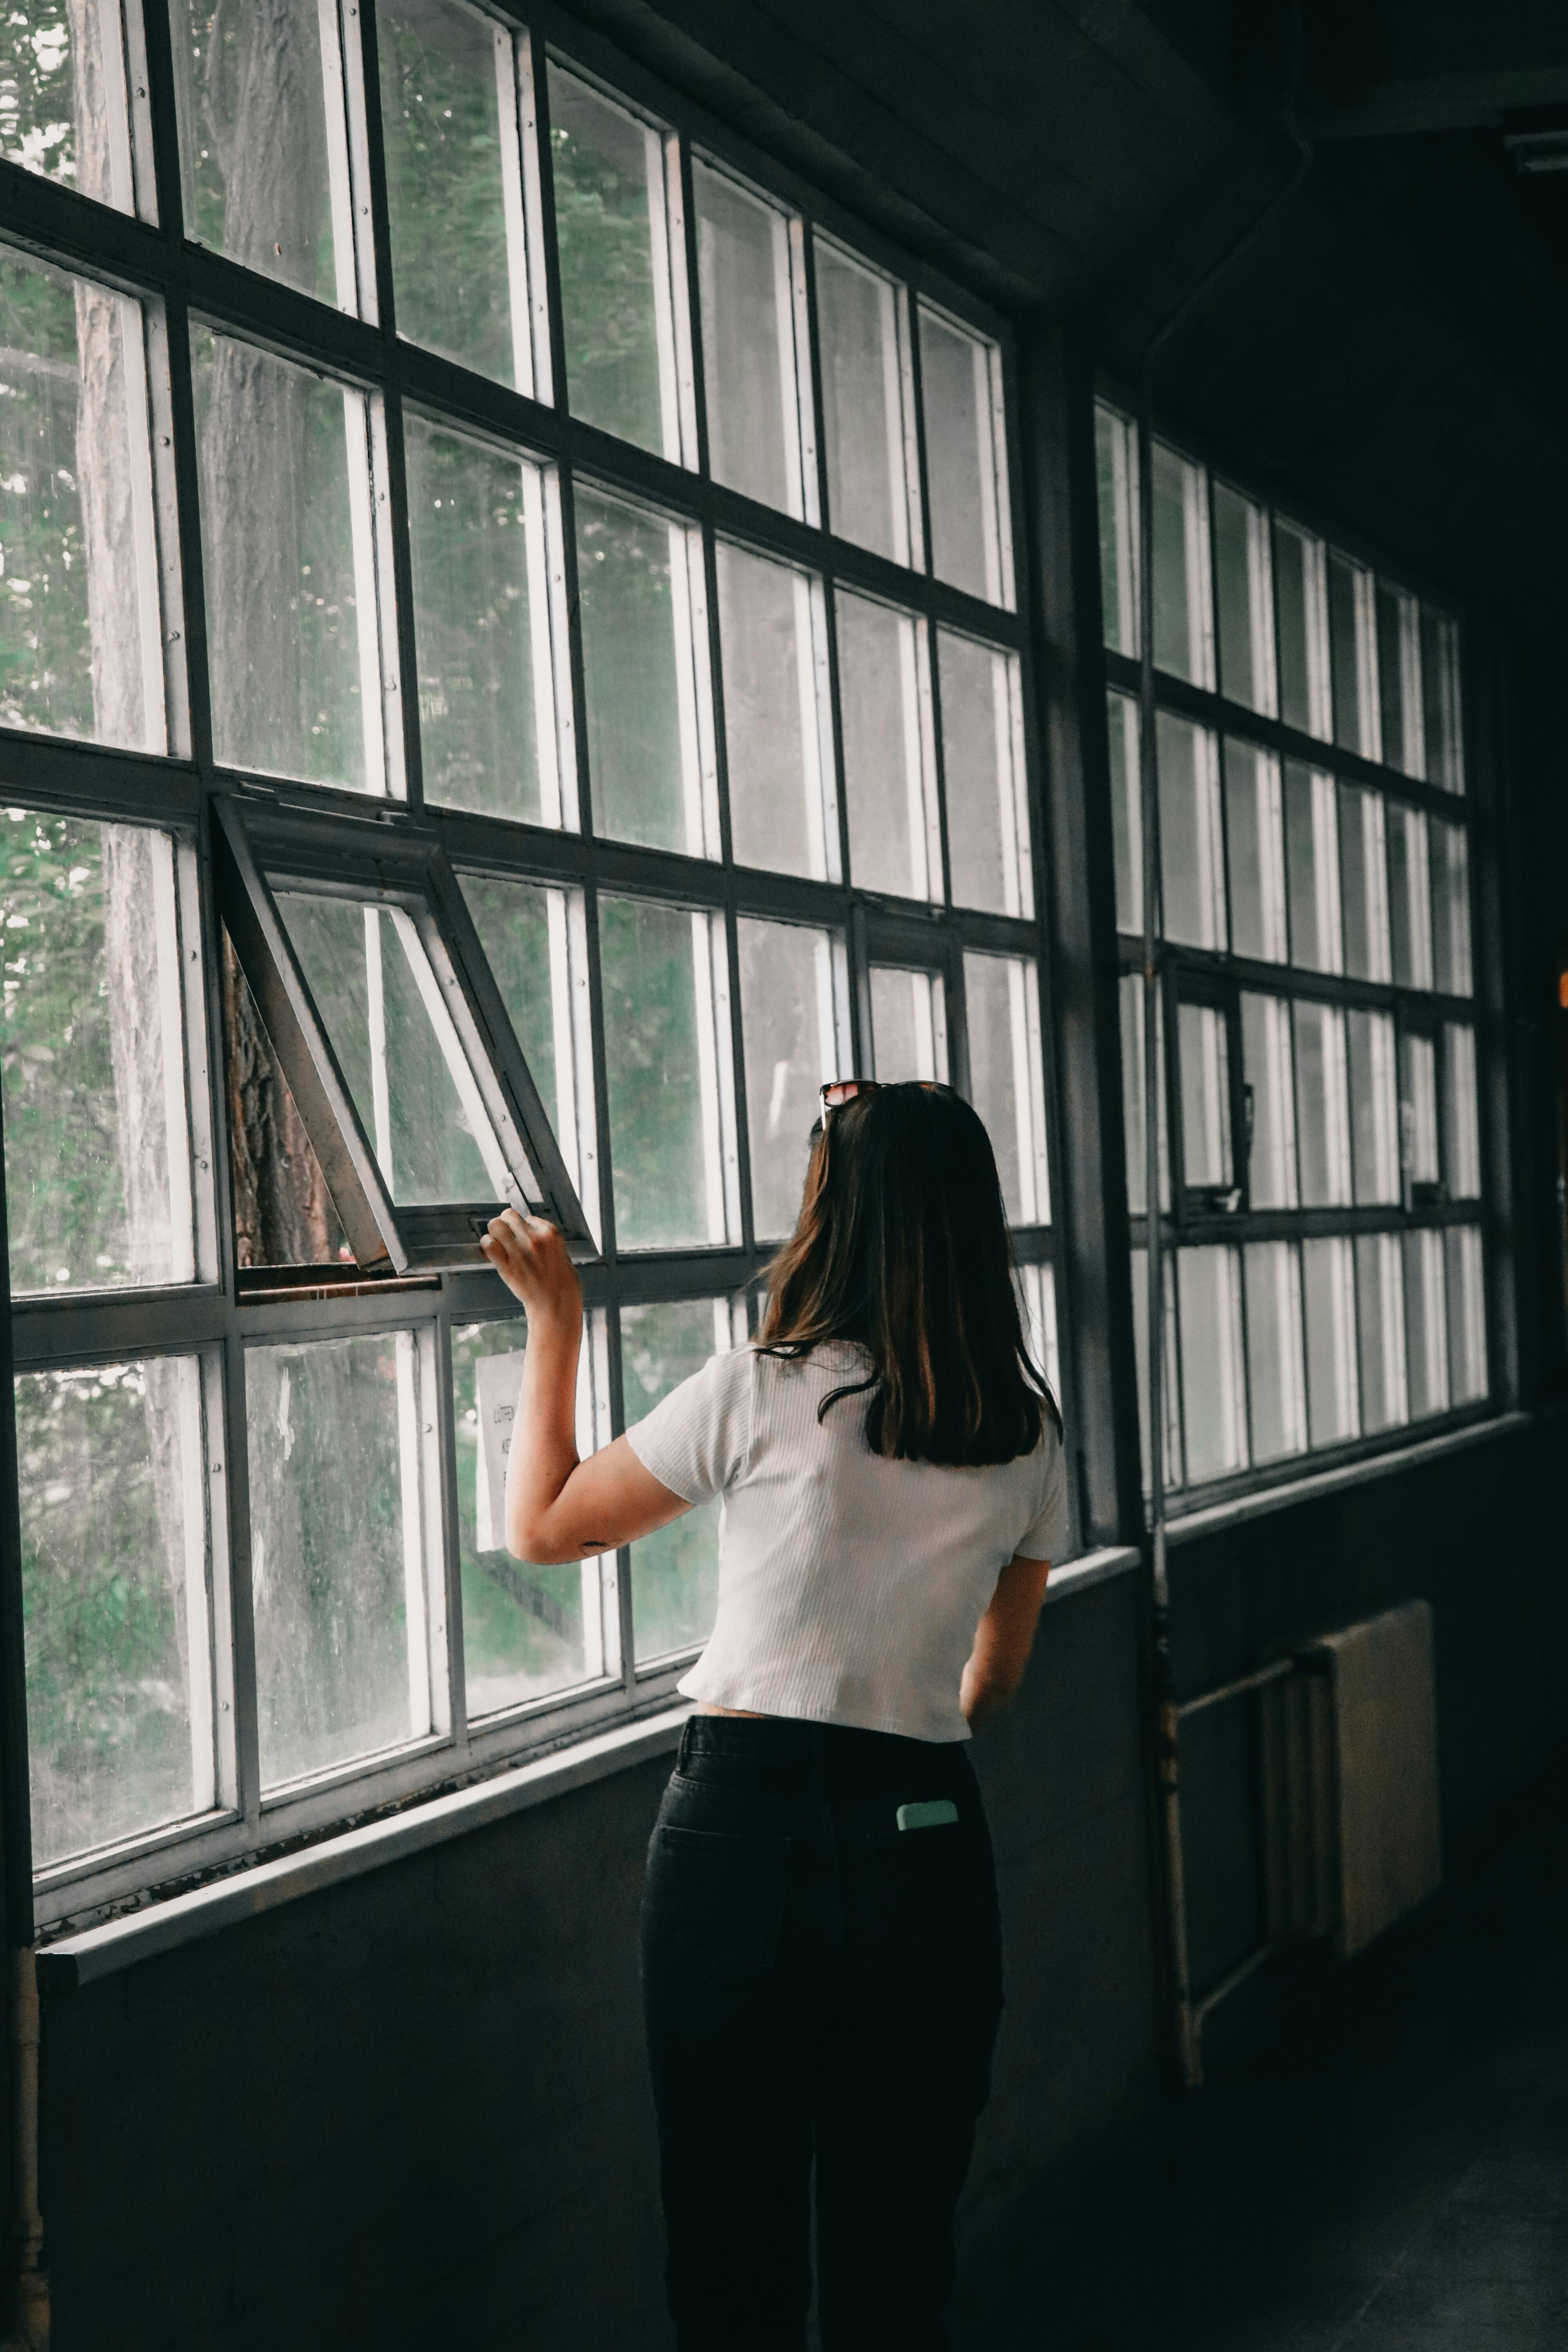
787,1751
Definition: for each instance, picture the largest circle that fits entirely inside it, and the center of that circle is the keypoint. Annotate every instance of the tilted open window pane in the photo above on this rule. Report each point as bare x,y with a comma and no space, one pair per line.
1374,1117
455,184
1129,998
1450,863
1440,696
1191,833
983,771
1363,865
1380,1323
884,697
1126,811
772,636
1323,1121
1007,1078
1301,611
1184,631
1266,1061
81,630
1313,866
1426,1319
264,165
1466,1314
966,465
863,337
116,1601
1409,898
65,108
752,294
1214,1377
675,1572
669,1071
1353,632
1244,594
1277,1381
909,1024
290,562
793,992
617,242
484,540
1333,1390
1255,844
1461,1128
284,1212
535,941
351,1631
98,1142
1399,680
645,649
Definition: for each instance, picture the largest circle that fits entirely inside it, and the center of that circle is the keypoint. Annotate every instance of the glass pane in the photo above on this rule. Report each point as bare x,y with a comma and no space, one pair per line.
59,116
1364,867
1418,1107
1380,1324
862,335
535,944
1191,837
526,1630
746,281
1205,1096
885,704
1126,812
1266,1058
1116,460
1275,1371
1440,700
1450,863
288,567
1328,1279
791,1034
1461,1128
1373,1106
1130,997
454,189
638,583
983,767
1184,635
1007,1078
1037,1301
349,1658
1302,609
667,1057
1322,1125
114,1601
381,1010
1426,1319
98,1177
1171,1451
966,474
1466,1314
1353,629
1214,1388
675,1572
909,1026
1255,847
283,1212
263,151
1312,863
611,242
780,758
481,621
1246,599
1409,898
80,629
1399,680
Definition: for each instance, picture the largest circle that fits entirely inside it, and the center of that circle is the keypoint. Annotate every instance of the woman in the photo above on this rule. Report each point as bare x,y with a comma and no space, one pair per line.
821,1953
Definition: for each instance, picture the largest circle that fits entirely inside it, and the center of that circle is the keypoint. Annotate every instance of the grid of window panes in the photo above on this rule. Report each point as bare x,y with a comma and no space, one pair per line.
550,608
1319,1151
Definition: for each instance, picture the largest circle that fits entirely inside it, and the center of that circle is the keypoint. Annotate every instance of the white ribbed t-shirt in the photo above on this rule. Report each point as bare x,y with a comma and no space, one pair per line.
850,1586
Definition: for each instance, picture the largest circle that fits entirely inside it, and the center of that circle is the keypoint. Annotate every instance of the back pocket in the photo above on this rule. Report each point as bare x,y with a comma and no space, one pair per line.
939,1893
714,1900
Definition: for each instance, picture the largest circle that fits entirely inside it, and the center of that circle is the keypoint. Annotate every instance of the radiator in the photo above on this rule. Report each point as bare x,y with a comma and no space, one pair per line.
1351,1830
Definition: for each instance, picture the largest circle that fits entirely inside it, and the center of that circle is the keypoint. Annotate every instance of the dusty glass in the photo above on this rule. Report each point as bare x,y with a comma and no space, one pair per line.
481,626
263,148
776,735
1213,1379
1126,812
63,98
884,701
350,1655
862,336
1461,1126
1255,848
1243,593
1440,701
288,568
745,280
115,1603
80,628
1129,1003
1312,868
1449,858
1204,1059
98,1174
1380,1326
1374,1116
790,1031
675,1572
1353,639
966,469
1363,868
666,1059
909,1024
454,186
1426,1324
1301,603
611,244
1191,833
1266,1062
1466,1314
1418,1107
1183,632
1277,1378
1399,680
1116,466
1323,1122
1007,1078
982,773
1334,1396
649,736
1409,898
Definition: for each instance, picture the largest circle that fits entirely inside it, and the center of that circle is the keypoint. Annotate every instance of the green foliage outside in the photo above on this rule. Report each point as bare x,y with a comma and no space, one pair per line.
651,1058
37,78
46,646
599,174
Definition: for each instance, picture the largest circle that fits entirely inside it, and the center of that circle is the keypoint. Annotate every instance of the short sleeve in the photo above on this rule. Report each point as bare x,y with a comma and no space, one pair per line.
1046,1536
695,1440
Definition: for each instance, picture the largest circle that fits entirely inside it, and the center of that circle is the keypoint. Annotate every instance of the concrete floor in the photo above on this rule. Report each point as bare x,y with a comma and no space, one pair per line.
1390,2176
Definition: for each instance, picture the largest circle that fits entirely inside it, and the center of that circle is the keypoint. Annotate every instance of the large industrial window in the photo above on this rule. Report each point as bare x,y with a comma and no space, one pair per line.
511,674
1321,1166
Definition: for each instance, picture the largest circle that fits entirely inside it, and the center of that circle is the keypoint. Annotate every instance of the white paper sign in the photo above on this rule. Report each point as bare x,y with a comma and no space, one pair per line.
500,1378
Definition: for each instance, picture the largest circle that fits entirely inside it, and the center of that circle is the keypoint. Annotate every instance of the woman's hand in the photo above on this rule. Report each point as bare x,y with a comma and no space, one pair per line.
531,1258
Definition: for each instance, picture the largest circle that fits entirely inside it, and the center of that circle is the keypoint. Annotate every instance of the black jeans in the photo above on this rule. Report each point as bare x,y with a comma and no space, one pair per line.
818,1983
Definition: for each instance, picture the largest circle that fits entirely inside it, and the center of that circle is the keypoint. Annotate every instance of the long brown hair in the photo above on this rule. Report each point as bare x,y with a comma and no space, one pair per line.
902,1245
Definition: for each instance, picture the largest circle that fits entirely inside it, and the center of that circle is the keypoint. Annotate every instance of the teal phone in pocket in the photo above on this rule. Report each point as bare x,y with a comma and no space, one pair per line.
930,1814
